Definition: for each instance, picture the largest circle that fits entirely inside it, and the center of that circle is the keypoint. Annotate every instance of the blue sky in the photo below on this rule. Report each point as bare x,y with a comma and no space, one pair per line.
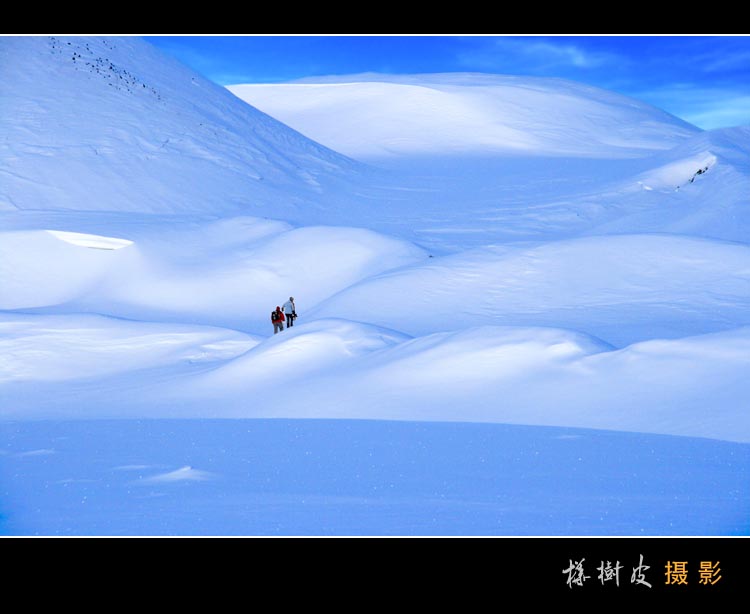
704,80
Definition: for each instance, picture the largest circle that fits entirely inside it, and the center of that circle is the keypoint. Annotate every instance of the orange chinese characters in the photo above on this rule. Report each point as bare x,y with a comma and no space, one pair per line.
709,572
676,572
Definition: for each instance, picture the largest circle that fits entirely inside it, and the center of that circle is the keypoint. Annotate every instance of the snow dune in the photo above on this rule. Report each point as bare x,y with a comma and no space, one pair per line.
622,288
37,268
692,386
302,351
70,347
227,272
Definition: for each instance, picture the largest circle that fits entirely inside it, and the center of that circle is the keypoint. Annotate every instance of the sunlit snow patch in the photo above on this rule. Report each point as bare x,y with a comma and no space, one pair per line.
90,241
678,173
183,474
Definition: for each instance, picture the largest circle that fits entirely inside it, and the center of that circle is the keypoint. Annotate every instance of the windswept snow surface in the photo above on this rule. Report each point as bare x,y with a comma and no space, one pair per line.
333,477
521,294
622,288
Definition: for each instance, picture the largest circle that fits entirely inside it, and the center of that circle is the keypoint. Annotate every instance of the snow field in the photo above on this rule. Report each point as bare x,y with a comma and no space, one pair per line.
350,477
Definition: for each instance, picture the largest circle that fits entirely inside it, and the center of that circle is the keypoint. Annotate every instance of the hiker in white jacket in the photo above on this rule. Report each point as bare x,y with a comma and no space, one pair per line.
290,311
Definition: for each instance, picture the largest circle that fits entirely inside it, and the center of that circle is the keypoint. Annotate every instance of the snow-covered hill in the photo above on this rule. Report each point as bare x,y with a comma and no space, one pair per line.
495,158
373,116
115,125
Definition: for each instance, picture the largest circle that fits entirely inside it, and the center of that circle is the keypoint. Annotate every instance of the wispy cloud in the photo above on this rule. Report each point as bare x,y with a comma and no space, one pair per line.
532,55
705,107
564,54
732,113
720,61
41,452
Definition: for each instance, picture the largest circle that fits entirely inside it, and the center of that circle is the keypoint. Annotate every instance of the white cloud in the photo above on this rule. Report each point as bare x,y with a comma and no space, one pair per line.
532,54
721,61
723,114
707,108
565,54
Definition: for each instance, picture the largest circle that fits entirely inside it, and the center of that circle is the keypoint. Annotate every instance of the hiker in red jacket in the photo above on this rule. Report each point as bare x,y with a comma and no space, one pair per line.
277,318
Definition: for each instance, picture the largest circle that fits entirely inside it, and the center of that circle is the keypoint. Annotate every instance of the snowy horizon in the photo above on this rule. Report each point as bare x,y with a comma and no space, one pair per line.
700,79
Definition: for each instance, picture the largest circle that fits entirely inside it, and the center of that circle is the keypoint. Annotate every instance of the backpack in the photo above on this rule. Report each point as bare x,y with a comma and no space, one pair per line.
275,317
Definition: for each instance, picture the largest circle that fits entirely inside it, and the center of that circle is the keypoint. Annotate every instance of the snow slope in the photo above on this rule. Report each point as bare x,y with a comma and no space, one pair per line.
621,288
369,117
700,187
84,119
